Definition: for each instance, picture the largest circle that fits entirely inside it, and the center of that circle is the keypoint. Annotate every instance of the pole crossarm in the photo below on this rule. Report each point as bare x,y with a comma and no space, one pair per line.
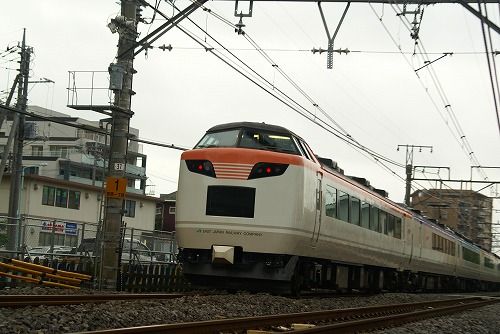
459,181
165,27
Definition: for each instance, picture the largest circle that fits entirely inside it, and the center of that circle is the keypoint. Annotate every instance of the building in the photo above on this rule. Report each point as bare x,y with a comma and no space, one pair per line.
73,154
465,211
165,212
71,208
62,180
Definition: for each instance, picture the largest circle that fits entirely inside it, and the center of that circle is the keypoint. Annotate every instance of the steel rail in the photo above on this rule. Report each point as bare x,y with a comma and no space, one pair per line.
396,319
37,300
216,326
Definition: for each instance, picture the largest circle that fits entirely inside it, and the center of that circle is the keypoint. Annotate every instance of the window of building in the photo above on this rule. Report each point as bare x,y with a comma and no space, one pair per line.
60,151
74,200
62,198
343,209
37,150
355,210
129,208
171,210
159,210
331,202
48,195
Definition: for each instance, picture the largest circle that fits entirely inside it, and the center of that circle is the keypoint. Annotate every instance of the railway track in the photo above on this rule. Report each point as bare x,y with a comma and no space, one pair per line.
37,300
339,321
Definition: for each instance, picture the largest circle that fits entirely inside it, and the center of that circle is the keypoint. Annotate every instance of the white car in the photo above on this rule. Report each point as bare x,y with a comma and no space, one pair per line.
139,252
43,252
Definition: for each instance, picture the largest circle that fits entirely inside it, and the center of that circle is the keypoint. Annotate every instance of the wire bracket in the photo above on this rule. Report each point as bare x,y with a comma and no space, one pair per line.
241,15
331,39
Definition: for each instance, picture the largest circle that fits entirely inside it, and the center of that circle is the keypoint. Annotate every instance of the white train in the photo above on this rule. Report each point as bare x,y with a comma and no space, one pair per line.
256,209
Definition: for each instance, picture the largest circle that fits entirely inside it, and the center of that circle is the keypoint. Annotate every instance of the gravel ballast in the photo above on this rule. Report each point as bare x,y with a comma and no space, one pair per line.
115,314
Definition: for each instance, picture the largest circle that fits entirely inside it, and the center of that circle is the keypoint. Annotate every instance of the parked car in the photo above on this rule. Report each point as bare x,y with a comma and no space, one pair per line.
43,252
138,252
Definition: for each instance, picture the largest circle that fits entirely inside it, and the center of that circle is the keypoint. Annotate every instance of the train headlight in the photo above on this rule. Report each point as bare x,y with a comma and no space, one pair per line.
265,169
204,167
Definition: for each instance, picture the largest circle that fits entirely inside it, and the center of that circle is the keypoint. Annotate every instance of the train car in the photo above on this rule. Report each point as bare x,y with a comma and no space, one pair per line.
257,209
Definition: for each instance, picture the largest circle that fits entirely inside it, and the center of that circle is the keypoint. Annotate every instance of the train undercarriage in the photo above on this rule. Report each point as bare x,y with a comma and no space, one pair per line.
287,274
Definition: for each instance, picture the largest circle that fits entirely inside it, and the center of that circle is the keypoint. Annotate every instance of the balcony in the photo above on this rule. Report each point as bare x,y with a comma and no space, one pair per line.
89,182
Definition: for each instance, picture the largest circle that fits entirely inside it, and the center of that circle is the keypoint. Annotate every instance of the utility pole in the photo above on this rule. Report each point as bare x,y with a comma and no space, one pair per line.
17,162
121,83
409,167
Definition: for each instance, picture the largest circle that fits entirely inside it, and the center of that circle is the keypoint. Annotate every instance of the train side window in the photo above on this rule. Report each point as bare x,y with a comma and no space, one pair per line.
355,210
311,153
365,215
331,202
343,209
397,227
390,225
299,146
383,221
374,219
303,149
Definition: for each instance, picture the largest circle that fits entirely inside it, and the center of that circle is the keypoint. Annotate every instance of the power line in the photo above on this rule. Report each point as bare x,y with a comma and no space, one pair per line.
492,72
463,141
459,136
89,128
171,47
346,138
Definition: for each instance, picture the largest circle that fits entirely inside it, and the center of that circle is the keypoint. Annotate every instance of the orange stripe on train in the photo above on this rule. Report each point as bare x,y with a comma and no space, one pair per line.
237,155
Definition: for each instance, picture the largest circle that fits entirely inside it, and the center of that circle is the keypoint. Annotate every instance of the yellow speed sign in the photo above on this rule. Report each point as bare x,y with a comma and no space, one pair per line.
116,187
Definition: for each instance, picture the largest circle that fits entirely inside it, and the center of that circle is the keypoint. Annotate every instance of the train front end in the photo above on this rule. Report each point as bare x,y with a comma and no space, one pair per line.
239,206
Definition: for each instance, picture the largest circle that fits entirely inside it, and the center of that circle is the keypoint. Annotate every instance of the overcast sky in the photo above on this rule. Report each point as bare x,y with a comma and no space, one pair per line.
372,92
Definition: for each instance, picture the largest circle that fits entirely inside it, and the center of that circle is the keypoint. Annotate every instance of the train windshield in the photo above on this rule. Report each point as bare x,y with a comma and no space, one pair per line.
219,139
250,138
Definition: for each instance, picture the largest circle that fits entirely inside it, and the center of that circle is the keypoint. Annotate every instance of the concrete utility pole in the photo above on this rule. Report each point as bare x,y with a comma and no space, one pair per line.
17,162
409,167
121,83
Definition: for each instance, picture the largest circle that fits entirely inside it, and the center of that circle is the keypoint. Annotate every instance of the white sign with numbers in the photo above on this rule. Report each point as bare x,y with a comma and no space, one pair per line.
119,166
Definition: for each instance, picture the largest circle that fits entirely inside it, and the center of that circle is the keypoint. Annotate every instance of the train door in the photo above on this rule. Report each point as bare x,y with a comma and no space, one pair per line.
319,208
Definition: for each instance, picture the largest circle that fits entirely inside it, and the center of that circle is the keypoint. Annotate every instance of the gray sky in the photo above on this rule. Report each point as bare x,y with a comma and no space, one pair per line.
374,94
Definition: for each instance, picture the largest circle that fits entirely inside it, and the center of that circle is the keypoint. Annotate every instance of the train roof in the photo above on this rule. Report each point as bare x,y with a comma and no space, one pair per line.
252,125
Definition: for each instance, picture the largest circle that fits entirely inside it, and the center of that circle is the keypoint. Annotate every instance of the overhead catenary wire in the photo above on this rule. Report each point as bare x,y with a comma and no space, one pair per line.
171,47
313,118
90,128
457,132
492,68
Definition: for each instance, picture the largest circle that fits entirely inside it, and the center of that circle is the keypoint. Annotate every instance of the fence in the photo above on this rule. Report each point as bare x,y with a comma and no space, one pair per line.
148,258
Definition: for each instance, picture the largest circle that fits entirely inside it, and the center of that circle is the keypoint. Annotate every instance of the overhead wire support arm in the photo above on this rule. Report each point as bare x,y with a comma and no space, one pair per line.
331,39
427,63
479,15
